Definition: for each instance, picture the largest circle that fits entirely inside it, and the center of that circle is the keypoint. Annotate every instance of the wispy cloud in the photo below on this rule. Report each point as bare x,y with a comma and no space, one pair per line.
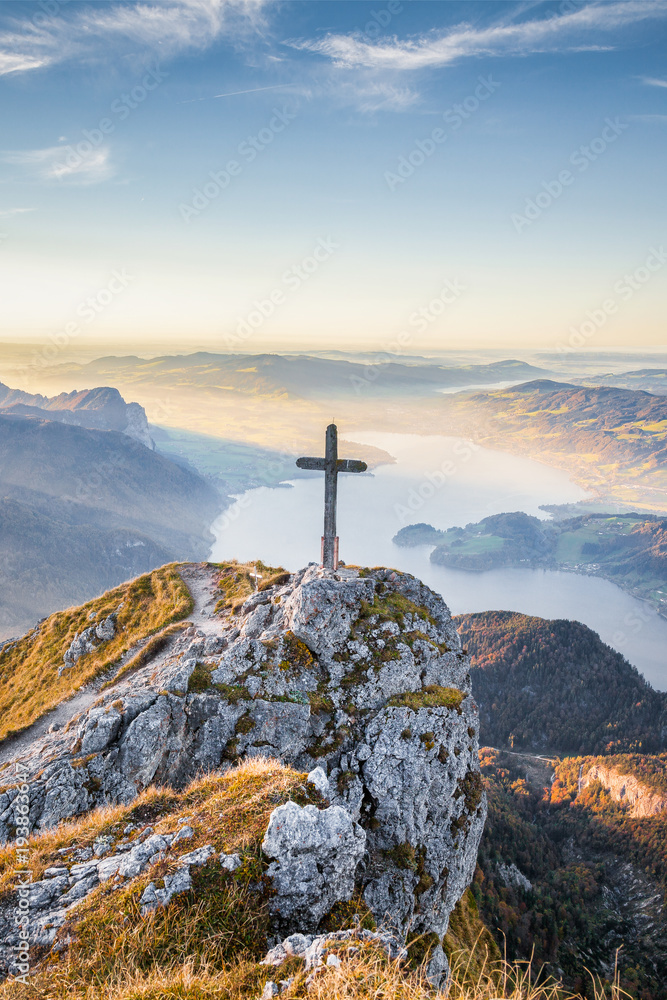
94,31
60,163
439,48
374,95
237,93
652,81
19,62
6,212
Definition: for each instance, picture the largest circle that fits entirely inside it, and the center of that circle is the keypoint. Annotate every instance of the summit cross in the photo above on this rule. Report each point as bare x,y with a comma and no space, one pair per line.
331,465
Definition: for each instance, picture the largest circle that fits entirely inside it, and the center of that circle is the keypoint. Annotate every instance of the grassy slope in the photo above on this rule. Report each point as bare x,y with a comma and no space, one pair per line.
29,682
208,942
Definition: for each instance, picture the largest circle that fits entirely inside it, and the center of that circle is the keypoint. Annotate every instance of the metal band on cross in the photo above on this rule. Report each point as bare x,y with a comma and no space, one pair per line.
331,465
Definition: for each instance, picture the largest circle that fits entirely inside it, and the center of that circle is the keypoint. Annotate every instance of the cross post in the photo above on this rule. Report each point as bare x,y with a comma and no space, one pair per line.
331,465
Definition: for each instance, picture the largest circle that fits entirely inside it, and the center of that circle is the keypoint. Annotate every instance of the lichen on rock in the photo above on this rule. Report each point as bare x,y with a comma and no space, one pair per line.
356,678
316,854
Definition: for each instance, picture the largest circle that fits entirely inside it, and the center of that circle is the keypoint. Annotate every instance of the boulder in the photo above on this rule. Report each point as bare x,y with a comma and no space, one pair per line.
316,854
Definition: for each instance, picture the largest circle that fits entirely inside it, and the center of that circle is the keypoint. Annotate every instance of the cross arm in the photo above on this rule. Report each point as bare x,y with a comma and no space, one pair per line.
311,463
350,465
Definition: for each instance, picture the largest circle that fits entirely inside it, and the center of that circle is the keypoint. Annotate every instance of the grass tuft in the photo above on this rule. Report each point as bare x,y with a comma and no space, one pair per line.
432,696
237,582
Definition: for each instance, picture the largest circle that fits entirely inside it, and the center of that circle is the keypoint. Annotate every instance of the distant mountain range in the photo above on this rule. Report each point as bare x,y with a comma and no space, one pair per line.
609,439
82,509
300,376
102,408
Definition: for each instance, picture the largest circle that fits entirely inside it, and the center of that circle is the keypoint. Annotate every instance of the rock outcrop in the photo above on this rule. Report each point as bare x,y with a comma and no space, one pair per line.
88,640
316,850
102,408
356,677
638,798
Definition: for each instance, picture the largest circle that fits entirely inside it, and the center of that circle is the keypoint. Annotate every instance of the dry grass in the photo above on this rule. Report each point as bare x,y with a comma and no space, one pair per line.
29,682
469,944
237,582
223,918
369,976
146,653
432,696
206,945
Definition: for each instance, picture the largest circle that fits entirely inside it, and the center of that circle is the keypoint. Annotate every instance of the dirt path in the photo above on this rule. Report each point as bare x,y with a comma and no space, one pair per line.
531,756
201,582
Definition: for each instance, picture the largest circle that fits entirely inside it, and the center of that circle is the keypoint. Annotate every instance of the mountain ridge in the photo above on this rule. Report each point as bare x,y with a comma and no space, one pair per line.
101,408
356,677
99,503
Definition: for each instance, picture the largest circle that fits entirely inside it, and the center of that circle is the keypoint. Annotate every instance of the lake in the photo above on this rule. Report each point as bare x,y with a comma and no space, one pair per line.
444,482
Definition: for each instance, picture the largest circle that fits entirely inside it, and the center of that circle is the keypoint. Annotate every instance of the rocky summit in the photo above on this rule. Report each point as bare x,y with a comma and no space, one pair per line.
355,677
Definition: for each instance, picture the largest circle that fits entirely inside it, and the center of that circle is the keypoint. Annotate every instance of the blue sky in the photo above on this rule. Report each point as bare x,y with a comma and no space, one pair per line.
251,175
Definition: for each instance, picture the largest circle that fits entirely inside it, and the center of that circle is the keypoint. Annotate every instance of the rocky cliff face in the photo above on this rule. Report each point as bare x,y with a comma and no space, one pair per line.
357,677
102,408
641,800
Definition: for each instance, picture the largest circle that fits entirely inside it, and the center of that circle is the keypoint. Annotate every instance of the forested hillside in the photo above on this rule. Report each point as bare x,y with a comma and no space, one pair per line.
628,549
554,686
589,878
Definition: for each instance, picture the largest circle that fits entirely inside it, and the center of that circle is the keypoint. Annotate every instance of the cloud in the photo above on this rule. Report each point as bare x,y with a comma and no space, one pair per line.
5,212
62,163
16,62
440,48
156,29
377,96
652,81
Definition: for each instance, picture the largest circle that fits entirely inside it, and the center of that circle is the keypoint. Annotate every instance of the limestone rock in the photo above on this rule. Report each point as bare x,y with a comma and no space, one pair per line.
230,862
152,897
356,678
88,640
628,791
316,950
318,778
514,877
316,854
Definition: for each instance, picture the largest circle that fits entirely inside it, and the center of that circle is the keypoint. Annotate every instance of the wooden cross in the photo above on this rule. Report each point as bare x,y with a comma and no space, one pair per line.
331,465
